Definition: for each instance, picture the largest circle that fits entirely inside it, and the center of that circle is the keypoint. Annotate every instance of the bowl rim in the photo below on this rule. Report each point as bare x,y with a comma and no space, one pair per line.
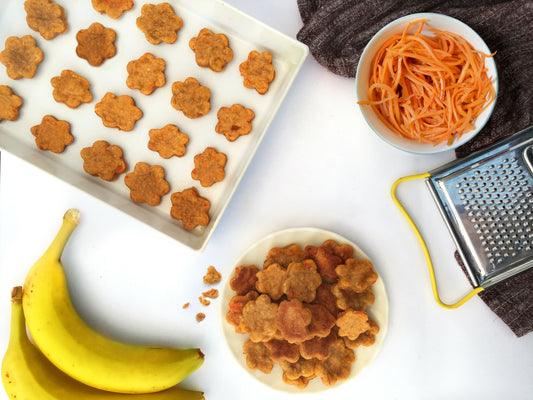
414,147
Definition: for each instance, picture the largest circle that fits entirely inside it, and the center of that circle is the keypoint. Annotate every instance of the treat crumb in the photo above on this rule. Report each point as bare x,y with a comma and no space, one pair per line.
200,317
205,302
211,293
186,305
212,276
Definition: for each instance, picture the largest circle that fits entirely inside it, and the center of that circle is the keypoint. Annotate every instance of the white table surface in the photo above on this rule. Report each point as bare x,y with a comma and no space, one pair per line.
319,165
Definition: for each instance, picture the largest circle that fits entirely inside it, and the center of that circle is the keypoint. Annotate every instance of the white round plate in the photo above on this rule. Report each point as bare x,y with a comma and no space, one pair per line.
256,255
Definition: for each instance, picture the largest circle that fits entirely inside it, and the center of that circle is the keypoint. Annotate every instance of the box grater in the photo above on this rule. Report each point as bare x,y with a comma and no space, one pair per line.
486,200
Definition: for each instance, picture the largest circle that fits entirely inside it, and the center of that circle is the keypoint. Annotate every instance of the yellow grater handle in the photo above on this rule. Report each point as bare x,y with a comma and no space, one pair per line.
425,248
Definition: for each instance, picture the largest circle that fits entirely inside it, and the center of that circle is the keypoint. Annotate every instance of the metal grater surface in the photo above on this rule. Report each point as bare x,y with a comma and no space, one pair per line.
486,200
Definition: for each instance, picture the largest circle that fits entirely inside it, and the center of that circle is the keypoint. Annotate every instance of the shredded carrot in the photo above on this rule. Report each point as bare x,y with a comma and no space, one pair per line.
429,88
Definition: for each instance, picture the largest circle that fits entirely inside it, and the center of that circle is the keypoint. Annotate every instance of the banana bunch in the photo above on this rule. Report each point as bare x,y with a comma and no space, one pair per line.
71,360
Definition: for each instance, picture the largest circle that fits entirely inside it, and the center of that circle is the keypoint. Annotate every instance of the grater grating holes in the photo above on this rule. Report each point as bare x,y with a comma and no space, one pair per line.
498,202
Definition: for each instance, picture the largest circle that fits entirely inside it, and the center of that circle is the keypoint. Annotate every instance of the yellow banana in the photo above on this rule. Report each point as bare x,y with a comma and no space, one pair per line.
28,375
81,352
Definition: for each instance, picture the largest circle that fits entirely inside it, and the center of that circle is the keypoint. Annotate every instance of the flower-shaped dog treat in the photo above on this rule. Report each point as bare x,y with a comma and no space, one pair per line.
168,141
159,23
118,111
52,134
46,17
284,255
270,281
234,121
71,89
356,275
209,167
245,279
352,323
293,320
258,356
258,71
10,104
21,56
191,98
259,317
211,50
147,183
96,43
146,73
281,350
318,347
337,366
113,8
190,208
302,281
103,160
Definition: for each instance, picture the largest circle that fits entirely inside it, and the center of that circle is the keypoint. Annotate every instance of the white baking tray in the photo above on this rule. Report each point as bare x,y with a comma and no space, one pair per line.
245,34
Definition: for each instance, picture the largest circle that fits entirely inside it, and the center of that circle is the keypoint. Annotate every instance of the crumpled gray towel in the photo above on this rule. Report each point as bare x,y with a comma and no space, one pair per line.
336,32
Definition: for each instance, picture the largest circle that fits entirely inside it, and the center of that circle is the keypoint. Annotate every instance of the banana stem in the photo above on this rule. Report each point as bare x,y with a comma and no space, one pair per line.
70,222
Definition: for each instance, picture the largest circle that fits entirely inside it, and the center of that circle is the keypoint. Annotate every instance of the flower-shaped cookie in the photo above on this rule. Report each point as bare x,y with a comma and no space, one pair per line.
147,183
118,112
318,347
270,281
258,71
302,281
113,8
52,134
348,299
103,160
337,366
159,23
146,73
356,275
281,350
234,121
284,255
168,141
21,56
326,260
211,50
209,167
293,320
71,89
46,17
352,323
96,43
367,338
190,208
258,356
191,98
245,279
236,304
10,104
259,317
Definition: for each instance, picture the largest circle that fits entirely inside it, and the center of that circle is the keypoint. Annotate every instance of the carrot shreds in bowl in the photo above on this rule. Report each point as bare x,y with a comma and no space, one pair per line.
429,88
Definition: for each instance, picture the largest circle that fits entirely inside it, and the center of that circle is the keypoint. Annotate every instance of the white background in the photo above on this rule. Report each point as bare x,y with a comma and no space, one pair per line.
320,166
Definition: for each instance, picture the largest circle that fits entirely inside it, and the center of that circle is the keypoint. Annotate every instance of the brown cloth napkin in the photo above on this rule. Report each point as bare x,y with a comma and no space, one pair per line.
336,32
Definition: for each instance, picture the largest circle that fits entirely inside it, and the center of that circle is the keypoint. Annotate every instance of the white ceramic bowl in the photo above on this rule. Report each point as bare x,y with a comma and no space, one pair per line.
436,21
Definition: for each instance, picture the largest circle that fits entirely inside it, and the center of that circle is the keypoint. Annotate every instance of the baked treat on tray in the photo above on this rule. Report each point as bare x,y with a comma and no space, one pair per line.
21,56
10,104
147,73
209,166
211,50
96,43
234,121
257,71
159,23
52,134
168,141
118,111
46,17
147,183
191,98
104,160
71,89
190,208
113,8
